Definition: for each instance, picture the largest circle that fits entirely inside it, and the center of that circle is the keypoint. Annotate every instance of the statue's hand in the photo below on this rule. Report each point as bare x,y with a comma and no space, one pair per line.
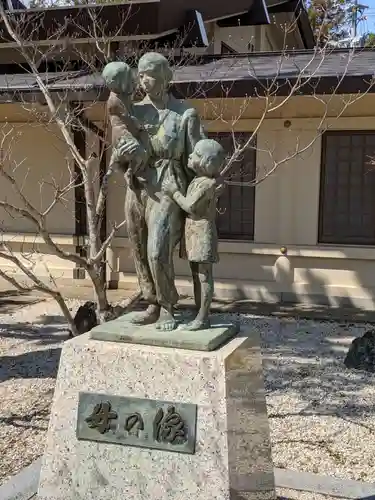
169,187
134,152
128,147
219,189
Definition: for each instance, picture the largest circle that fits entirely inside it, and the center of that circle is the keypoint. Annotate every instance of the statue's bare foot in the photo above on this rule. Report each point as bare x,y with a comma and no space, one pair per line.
197,324
166,322
149,316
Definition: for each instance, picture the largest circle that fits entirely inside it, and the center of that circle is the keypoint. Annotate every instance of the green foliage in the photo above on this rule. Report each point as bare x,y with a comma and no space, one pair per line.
329,19
370,40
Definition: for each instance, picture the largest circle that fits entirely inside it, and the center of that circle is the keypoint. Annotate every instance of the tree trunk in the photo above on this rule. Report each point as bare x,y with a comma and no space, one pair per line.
99,289
65,310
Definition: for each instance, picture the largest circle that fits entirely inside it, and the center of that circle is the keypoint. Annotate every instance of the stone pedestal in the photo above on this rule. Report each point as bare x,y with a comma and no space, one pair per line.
232,459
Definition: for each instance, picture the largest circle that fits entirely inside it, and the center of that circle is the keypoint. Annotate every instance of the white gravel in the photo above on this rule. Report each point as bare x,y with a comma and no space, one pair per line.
322,416
30,342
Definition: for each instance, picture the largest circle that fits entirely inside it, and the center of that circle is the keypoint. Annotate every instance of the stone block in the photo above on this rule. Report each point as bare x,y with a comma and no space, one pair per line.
232,458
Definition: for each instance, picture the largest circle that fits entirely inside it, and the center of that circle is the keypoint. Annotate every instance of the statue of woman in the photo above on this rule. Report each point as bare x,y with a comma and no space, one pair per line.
154,220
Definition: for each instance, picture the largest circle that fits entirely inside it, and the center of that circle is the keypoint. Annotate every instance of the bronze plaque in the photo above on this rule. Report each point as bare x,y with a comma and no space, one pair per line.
144,423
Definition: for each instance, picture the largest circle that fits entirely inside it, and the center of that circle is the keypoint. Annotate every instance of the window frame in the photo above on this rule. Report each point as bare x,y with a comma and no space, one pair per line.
338,239
239,237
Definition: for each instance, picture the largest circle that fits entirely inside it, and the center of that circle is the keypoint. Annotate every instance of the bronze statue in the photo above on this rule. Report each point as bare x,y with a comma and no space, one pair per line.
124,127
156,137
200,242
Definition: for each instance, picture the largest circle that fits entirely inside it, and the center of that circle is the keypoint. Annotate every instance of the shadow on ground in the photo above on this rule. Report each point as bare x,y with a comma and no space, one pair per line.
309,356
35,364
41,342
303,311
36,418
305,376
45,330
12,300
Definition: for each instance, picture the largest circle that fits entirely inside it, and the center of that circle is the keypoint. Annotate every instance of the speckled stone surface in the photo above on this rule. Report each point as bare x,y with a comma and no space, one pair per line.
232,459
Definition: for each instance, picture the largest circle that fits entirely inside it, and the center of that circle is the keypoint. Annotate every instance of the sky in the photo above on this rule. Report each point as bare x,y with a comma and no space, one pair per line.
367,25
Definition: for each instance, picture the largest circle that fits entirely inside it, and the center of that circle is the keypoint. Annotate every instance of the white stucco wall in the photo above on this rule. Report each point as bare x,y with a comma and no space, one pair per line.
37,157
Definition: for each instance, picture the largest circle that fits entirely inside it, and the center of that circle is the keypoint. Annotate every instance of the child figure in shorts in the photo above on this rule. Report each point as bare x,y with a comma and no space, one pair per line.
200,242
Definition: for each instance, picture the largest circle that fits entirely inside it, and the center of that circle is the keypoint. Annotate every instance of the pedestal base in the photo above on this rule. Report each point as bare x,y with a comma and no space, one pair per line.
123,330
231,459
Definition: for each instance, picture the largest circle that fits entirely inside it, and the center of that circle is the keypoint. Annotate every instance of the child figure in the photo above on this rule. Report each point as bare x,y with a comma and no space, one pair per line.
200,241
125,128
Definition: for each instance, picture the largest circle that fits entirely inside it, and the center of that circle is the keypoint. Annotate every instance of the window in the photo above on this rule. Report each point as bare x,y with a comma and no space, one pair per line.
235,219
347,189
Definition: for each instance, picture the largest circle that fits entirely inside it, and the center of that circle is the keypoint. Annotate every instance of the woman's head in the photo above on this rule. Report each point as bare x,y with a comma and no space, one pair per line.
154,74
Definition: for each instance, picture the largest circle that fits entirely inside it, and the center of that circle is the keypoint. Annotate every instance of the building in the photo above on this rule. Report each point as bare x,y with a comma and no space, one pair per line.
305,233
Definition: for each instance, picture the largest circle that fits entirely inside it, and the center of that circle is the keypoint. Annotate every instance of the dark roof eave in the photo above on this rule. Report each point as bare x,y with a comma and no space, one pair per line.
76,23
351,84
35,96
119,20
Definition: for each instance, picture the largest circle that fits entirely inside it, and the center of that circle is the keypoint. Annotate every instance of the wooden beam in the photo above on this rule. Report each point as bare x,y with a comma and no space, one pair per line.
102,171
80,215
194,31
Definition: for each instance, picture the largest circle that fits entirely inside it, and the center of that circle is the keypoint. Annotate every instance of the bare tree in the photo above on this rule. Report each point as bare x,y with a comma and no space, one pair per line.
63,117
17,205
66,118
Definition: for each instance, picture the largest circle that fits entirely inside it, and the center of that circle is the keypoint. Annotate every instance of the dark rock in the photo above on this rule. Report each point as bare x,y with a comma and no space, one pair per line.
361,354
85,318
112,313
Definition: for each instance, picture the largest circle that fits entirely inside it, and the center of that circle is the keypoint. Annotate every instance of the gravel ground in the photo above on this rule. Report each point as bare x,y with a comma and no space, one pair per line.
322,415
30,341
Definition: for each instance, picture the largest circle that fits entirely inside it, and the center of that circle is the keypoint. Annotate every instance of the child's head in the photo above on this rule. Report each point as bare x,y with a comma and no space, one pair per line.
118,77
207,158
